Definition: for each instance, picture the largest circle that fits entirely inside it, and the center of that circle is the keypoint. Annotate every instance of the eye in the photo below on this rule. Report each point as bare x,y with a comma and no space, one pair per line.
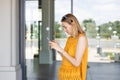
64,27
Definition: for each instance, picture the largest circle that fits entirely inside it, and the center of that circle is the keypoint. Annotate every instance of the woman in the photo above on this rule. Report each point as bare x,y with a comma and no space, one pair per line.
75,53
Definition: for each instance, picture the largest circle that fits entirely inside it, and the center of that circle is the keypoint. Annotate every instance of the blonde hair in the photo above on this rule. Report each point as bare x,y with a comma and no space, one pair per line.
72,20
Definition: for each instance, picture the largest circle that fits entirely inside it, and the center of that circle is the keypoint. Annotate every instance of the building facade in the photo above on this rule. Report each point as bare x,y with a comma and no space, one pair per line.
12,38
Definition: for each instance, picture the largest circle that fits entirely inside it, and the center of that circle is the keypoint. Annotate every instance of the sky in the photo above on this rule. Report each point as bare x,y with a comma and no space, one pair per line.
101,11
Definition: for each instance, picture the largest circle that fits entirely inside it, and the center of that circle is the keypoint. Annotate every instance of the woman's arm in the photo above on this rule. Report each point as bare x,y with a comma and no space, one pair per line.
79,51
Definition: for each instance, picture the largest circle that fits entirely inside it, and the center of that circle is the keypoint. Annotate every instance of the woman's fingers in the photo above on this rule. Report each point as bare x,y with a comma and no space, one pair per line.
54,45
51,43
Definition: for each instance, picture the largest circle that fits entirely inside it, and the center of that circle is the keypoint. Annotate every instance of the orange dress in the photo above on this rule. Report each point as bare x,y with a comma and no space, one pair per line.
67,70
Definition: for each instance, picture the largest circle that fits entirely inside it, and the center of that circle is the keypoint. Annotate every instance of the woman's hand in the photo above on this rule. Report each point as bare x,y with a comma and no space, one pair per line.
54,45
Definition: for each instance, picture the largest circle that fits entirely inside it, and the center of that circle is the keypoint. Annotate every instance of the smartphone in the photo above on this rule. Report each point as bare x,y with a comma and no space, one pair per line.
48,39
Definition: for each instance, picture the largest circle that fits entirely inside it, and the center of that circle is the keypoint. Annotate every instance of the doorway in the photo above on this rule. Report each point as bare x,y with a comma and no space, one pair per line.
33,25
32,12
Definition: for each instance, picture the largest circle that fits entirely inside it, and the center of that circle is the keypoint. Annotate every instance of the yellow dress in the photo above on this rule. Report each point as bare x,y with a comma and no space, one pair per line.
67,70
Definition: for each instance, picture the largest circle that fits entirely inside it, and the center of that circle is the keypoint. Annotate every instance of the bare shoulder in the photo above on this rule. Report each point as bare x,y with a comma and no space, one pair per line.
84,38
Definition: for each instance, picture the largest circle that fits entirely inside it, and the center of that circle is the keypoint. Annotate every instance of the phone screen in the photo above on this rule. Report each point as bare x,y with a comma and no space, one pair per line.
48,39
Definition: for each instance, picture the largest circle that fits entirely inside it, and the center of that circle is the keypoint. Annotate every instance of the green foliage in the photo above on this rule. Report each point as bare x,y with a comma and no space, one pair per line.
106,33
117,26
90,26
104,29
90,29
110,54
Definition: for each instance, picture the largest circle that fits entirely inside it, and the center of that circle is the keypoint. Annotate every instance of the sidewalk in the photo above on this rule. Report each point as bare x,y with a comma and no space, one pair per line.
93,56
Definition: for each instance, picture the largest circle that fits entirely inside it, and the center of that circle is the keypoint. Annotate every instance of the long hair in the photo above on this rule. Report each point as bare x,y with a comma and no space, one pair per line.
72,20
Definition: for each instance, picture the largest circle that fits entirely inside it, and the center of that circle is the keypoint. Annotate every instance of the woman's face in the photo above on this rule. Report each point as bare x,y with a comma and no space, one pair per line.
67,28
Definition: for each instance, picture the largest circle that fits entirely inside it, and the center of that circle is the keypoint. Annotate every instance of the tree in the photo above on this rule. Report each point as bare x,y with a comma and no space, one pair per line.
90,27
106,33
117,27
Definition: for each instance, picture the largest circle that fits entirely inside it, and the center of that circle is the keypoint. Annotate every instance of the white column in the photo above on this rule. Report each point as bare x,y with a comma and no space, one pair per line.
10,68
